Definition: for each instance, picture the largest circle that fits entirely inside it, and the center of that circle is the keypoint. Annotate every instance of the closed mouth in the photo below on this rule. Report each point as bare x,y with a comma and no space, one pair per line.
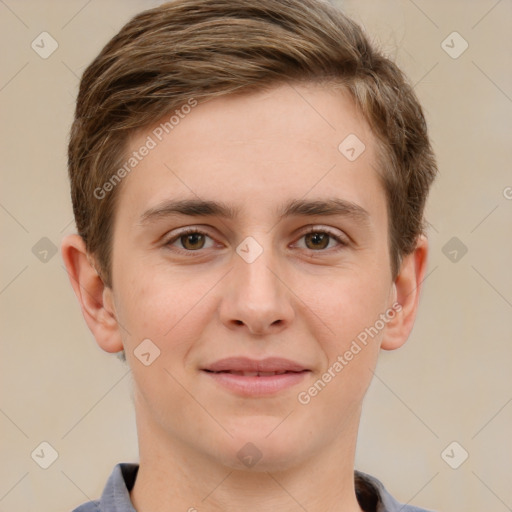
248,367
254,374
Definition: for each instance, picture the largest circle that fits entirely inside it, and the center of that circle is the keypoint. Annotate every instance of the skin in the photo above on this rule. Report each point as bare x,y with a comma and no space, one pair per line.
299,299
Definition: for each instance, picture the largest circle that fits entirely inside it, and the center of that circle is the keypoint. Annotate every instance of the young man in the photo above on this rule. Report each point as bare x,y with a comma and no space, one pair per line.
248,181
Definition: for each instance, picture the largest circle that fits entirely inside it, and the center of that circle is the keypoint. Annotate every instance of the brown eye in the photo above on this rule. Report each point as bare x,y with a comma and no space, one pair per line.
189,241
192,241
317,240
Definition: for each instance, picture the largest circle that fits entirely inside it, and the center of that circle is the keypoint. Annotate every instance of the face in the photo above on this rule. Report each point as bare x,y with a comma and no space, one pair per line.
246,233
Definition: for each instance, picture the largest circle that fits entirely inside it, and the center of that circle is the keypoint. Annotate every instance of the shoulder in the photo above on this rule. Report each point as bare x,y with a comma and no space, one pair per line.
116,494
372,495
90,506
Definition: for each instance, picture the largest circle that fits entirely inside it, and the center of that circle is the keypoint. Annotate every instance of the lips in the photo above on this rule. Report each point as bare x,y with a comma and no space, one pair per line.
251,378
252,374
246,367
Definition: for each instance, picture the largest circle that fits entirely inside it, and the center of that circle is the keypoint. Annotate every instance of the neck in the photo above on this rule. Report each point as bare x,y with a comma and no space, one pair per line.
175,476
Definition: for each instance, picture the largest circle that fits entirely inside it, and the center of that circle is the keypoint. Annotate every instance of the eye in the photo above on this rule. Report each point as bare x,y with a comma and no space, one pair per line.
320,239
190,240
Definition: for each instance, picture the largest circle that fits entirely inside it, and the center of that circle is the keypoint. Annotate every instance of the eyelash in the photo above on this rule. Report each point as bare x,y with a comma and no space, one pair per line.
313,230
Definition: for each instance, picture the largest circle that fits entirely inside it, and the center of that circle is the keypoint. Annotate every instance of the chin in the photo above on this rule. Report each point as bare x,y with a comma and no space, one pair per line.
262,447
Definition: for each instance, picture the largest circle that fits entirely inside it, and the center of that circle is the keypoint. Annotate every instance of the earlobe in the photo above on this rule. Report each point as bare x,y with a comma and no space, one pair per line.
407,287
96,300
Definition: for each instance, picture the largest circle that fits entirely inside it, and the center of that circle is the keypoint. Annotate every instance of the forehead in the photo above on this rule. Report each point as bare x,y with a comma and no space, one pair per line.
254,150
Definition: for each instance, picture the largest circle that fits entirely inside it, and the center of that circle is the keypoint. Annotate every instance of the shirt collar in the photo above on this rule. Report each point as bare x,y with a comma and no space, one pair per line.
116,495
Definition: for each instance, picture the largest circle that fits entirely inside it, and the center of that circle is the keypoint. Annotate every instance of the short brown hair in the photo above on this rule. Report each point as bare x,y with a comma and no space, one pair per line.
201,49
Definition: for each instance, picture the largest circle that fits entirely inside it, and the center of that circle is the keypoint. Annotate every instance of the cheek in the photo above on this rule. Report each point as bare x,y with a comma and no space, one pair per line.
165,307
355,311
351,304
351,347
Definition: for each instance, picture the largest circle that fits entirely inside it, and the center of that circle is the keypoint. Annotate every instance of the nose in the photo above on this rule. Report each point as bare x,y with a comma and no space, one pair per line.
256,298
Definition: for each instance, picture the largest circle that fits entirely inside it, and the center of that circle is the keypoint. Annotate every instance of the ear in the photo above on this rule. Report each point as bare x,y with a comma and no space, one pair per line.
96,299
407,287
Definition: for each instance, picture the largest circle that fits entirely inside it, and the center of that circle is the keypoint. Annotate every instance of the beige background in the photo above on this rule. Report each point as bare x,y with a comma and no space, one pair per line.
451,382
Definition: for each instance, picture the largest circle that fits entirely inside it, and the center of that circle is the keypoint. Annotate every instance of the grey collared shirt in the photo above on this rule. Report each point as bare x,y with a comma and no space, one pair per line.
371,494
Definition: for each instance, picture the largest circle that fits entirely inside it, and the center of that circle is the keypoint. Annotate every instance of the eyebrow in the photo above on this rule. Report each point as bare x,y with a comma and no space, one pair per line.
297,207
192,207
